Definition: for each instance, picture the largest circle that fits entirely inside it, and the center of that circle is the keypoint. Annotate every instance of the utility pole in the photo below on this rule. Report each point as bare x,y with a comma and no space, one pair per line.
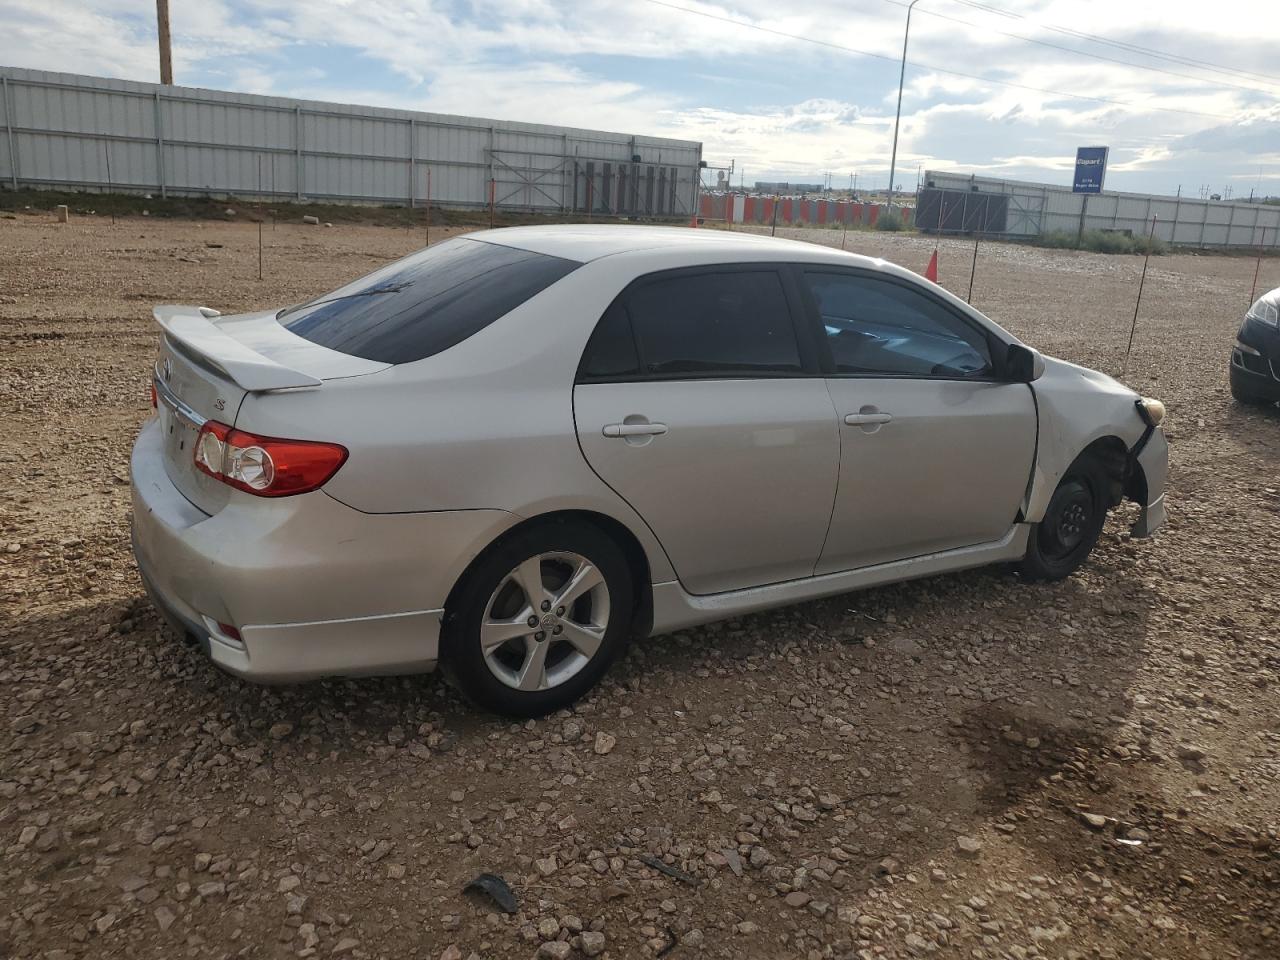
902,76
162,28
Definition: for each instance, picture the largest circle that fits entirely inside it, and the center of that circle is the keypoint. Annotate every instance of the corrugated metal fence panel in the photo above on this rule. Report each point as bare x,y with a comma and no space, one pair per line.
1040,208
66,128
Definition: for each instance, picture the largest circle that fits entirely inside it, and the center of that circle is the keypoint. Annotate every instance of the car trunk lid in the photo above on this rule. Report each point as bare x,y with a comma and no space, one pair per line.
209,363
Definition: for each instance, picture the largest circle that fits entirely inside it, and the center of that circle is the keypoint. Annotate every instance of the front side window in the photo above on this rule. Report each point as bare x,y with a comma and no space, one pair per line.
734,323
877,326
426,302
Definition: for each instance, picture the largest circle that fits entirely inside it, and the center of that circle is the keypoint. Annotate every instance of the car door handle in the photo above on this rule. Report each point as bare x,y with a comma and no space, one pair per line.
861,419
634,429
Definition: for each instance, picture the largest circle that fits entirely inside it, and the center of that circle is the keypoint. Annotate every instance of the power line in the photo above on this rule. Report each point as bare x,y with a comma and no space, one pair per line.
925,66
1085,53
1125,45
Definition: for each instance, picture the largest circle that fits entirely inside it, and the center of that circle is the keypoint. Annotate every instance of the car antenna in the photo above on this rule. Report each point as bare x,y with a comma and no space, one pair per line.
1141,283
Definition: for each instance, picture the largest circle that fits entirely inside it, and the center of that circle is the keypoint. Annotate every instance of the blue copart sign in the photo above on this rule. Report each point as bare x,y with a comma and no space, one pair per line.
1091,169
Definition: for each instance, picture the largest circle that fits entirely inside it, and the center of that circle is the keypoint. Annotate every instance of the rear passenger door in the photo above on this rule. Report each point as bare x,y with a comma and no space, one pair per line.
699,400
936,447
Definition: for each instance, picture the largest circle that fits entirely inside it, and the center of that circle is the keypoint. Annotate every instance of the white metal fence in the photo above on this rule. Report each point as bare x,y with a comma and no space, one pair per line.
76,132
1040,208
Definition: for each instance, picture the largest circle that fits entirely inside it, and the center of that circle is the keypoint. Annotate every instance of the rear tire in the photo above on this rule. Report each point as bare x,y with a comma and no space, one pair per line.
539,619
1062,541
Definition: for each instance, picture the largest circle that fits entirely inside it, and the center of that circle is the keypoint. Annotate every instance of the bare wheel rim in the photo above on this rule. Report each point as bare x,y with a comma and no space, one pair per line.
545,621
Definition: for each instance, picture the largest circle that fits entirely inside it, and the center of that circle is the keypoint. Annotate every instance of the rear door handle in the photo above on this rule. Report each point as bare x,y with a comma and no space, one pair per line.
634,429
861,419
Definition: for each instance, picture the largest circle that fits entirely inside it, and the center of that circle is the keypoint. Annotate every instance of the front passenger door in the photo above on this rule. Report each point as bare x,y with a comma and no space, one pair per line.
935,450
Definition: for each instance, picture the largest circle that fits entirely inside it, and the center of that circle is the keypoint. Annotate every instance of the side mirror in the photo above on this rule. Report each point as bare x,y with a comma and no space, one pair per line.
1022,364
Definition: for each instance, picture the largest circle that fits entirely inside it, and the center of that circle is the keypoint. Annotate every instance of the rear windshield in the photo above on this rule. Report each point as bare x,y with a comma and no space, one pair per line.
425,303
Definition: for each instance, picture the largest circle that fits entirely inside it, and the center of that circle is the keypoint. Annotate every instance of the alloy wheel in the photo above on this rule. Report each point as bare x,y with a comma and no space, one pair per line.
545,621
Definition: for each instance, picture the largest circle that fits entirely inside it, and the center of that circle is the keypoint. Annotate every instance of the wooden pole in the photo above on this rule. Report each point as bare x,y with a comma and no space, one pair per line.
773,227
1141,283
166,55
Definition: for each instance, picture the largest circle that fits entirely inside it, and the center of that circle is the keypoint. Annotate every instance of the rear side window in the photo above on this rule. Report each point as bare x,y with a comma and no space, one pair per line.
735,323
427,302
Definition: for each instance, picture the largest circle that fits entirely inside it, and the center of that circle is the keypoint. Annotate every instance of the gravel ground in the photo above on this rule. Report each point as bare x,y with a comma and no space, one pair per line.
967,766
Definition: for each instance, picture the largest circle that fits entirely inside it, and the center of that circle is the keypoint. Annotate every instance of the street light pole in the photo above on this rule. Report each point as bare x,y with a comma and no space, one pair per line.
902,75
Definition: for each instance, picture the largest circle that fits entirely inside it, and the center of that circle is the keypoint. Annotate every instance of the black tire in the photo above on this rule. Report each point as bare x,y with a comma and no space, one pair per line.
1073,521
493,580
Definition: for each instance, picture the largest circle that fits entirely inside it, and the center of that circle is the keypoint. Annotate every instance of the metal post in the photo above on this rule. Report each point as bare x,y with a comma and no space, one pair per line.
902,75
297,147
106,152
492,177
1253,291
428,206
159,145
773,226
413,151
564,170
973,270
1230,223
1084,210
1141,283
259,216
8,126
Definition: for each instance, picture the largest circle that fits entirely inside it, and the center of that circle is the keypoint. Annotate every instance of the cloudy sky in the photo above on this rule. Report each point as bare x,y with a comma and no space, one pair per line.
1185,94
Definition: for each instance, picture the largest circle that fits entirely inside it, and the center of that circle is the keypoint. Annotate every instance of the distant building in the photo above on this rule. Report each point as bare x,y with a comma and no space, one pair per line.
764,187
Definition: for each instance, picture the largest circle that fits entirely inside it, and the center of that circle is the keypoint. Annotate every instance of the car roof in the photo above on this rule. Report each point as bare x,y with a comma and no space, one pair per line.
585,242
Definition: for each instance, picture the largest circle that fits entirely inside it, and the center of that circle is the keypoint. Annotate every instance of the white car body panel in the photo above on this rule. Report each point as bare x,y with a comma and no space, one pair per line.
948,471
1076,407
754,461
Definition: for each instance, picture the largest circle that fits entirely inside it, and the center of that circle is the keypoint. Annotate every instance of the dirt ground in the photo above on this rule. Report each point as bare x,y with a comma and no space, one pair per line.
967,766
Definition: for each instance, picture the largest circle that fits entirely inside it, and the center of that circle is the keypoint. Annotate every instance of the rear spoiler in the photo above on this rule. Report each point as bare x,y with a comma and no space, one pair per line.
192,328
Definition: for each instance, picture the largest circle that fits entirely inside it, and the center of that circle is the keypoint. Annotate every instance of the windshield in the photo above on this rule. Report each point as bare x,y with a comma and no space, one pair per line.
426,302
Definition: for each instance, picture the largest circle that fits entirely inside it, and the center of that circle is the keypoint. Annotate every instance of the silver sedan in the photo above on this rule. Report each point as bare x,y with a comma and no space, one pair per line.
515,450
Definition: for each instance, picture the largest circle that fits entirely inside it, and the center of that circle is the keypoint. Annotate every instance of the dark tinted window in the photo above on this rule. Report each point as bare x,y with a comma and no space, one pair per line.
426,302
714,323
881,327
611,351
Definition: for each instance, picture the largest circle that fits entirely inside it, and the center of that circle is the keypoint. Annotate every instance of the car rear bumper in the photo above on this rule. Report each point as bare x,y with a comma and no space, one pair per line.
314,587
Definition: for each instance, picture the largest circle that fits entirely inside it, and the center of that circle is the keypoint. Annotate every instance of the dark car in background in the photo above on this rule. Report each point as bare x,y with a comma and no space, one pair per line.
1255,358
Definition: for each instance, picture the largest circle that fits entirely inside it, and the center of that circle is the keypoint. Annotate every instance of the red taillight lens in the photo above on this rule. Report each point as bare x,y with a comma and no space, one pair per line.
155,401
265,466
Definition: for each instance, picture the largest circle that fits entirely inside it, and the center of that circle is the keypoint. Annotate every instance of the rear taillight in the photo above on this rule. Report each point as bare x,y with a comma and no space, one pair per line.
265,466
155,401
